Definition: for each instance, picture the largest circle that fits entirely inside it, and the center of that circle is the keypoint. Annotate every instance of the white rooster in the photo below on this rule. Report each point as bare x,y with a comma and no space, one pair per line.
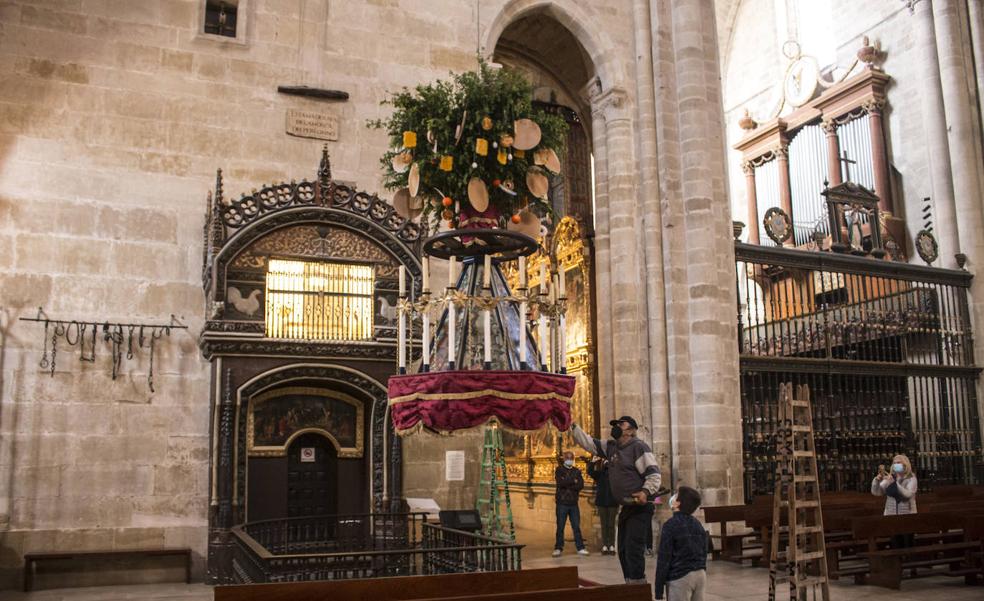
248,305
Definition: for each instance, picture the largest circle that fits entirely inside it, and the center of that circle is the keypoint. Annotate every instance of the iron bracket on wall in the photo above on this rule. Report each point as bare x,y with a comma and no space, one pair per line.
84,334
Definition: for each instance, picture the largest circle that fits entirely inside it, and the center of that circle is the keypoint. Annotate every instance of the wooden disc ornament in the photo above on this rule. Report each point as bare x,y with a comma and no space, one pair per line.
548,158
401,162
537,183
413,180
527,134
478,194
407,206
529,224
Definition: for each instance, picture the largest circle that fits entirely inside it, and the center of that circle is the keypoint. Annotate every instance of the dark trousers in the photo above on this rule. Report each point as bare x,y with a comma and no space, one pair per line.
607,515
633,522
563,513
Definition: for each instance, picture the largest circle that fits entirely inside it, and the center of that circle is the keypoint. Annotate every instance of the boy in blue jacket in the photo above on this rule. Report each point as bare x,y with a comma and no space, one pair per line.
681,562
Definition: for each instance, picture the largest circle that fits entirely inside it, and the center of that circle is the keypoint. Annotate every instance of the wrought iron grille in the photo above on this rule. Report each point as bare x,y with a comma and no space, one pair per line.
319,301
887,352
337,547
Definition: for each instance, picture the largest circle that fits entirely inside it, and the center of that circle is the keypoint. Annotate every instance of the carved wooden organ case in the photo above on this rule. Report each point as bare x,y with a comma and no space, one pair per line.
300,284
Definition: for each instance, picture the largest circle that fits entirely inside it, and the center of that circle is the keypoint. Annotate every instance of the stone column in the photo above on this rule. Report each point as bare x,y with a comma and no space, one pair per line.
937,147
628,321
606,376
829,128
879,156
785,191
711,259
976,18
753,226
965,143
650,234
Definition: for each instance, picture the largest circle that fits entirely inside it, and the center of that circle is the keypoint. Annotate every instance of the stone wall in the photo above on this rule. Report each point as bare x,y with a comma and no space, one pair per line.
114,116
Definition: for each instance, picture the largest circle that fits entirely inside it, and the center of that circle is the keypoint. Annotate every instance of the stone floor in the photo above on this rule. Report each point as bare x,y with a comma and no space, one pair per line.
725,581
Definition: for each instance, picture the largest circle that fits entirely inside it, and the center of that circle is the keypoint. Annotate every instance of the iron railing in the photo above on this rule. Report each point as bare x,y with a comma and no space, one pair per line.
362,546
886,349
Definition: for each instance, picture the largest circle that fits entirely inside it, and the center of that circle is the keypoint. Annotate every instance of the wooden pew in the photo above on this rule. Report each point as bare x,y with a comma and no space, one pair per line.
523,584
887,566
733,544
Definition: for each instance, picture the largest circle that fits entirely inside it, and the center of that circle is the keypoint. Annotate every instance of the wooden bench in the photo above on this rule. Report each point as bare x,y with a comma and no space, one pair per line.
32,559
887,566
549,584
733,544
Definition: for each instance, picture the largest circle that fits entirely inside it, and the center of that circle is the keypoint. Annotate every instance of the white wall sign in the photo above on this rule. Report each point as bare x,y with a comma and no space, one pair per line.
307,454
454,466
312,124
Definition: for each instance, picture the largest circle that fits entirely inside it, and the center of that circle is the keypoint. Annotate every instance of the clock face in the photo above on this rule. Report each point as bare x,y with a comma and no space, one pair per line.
801,81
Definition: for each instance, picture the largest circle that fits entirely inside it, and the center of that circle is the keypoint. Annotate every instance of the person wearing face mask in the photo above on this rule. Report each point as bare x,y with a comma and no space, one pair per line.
634,479
681,561
899,487
605,502
569,484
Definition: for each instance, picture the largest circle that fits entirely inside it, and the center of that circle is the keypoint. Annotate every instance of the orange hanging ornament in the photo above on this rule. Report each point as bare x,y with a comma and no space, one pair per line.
447,162
482,147
409,139
447,201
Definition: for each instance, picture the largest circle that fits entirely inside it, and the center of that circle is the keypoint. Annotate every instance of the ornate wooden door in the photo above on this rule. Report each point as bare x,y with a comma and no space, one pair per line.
312,477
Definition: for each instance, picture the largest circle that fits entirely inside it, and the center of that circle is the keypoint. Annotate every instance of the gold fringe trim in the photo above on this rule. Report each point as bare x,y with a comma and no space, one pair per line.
512,396
491,421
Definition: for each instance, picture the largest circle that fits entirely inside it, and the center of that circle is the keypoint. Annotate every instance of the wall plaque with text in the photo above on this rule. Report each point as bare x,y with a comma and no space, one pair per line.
312,124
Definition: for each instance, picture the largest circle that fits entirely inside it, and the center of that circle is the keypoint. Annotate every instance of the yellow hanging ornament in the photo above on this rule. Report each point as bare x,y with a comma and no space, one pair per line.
501,157
505,140
519,153
482,147
447,162
409,139
486,123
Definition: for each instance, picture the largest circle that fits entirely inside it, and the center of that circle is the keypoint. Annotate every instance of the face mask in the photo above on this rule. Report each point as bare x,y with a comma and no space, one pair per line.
568,462
898,467
616,432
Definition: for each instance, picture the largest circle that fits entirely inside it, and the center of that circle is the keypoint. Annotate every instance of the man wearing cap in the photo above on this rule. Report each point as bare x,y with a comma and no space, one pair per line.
634,479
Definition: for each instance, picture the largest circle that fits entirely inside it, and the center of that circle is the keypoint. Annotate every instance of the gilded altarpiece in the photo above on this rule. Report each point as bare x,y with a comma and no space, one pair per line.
532,458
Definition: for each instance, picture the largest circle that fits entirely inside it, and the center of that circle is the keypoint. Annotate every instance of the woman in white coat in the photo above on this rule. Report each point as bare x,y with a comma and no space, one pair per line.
899,487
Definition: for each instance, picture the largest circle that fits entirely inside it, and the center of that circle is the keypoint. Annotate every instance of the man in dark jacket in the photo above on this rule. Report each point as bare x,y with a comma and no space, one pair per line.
681,562
606,503
569,485
634,479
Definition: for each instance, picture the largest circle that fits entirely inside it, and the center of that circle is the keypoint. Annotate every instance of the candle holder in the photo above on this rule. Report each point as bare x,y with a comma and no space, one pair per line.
478,361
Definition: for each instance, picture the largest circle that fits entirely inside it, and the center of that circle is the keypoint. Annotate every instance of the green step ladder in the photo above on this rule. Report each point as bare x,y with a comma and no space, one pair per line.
493,489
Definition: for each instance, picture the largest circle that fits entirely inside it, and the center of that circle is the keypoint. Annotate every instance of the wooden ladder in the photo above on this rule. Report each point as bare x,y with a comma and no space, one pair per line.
797,493
494,506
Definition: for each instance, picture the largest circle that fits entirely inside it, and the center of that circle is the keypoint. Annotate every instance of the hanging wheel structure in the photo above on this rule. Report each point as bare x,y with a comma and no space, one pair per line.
797,499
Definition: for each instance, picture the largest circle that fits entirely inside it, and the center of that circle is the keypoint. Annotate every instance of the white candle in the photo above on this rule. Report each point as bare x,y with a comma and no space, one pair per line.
401,353
544,284
487,272
487,318
452,281
522,332
426,274
544,343
522,273
425,339
554,354
562,350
